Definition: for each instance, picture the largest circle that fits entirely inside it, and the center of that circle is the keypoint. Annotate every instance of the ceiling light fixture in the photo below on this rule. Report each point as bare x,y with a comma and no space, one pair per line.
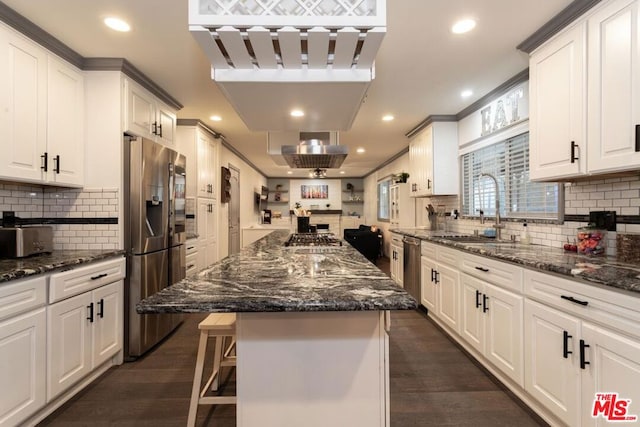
341,172
463,26
466,93
388,118
360,150
117,24
215,118
318,173
289,172
297,113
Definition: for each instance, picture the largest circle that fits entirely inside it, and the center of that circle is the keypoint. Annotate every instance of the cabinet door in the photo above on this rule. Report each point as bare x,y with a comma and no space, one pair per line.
23,107
614,95
400,265
167,121
471,314
552,374
107,325
68,343
557,107
205,162
420,156
504,331
428,291
23,367
448,296
140,114
65,139
614,367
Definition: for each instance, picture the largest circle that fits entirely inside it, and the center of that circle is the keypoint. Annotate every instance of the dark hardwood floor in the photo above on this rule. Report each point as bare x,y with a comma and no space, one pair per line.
433,383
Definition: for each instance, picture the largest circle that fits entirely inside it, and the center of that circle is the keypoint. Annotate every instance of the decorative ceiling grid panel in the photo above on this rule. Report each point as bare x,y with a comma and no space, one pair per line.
288,7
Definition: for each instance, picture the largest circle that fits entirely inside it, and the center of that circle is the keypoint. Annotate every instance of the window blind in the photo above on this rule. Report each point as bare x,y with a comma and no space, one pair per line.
508,162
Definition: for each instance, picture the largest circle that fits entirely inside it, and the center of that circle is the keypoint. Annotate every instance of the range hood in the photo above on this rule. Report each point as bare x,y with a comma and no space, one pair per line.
307,150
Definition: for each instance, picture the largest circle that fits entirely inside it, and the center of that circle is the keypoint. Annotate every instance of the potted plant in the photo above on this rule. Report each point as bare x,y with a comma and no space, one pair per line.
402,177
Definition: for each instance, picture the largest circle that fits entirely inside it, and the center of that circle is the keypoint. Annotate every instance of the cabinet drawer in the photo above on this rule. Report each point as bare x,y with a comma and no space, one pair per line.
498,273
448,256
191,247
428,250
22,295
82,279
192,263
613,309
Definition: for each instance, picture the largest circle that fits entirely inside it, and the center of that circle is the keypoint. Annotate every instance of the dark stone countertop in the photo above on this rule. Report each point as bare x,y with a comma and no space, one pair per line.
11,269
268,277
602,270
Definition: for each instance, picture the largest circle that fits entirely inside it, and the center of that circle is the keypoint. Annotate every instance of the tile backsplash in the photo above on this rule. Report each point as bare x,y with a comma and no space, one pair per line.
84,218
619,194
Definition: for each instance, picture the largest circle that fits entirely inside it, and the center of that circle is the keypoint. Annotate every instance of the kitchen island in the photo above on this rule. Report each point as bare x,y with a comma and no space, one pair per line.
311,329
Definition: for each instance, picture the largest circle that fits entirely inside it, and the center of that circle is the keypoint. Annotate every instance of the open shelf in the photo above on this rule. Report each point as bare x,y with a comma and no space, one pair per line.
355,190
353,201
278,191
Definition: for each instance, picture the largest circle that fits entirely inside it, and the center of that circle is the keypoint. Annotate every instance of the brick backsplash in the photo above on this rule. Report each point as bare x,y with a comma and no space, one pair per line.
52,202
620,194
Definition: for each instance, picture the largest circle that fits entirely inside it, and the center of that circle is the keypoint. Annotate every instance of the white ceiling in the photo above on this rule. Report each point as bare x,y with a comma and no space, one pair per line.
421,67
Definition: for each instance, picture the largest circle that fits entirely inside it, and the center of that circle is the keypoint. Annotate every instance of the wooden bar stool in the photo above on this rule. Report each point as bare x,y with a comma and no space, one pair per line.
222,326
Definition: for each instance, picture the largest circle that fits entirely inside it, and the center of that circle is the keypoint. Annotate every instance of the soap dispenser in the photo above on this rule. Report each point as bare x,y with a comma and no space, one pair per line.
525,237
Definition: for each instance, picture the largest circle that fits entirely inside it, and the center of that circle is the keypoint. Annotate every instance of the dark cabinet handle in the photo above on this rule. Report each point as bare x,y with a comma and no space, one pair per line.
99,276
575,301
565,344
433,275
583,362
190,266
56,160
637,138
190,247
154,128
477,298
573,152
437,277
428,184
482,269
90,318
485,298
160,130
45,162
101,308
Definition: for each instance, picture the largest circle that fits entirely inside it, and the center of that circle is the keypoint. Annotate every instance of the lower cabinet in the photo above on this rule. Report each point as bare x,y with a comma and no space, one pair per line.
83,332
440,284
207,230
23,367
397,260
491,322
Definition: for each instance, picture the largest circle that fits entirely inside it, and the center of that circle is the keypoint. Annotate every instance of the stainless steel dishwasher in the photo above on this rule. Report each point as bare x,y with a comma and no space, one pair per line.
411,270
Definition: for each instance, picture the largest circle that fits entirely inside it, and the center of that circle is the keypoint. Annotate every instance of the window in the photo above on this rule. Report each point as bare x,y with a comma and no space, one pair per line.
508,162
383,200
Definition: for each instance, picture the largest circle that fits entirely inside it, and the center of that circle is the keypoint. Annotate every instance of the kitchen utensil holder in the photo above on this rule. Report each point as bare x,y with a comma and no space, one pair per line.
303,224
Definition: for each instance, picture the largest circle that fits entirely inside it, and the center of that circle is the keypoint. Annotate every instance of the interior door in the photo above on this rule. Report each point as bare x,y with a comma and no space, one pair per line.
234,211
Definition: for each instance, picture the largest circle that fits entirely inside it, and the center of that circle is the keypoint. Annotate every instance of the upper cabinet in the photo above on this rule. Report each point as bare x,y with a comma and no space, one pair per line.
41,114
147,116
585,99
614,92
201,149
557,125
433,160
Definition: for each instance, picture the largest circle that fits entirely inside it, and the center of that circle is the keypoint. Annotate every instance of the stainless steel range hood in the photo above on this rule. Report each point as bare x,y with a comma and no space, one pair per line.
313,150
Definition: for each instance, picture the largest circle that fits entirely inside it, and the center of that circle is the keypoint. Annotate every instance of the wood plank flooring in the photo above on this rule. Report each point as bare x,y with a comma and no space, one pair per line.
433,383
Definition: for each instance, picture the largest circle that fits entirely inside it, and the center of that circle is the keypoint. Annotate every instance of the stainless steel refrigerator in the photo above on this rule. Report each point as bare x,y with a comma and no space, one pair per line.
154,227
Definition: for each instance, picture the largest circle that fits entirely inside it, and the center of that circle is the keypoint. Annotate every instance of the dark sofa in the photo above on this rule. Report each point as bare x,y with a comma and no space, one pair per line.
365,241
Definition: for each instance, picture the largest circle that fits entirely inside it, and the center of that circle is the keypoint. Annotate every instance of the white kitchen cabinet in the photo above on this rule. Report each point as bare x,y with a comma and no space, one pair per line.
22,349
614,87
192,257
397,259
42,108
433,160
145,115
202,152
440,288
557,124
491,322
403,208
207,232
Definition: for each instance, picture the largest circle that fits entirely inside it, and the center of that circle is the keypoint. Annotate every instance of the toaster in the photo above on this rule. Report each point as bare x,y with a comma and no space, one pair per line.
18,242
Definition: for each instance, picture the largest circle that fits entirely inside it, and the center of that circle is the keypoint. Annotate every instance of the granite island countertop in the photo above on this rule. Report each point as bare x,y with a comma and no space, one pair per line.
602,270
268,277
18,268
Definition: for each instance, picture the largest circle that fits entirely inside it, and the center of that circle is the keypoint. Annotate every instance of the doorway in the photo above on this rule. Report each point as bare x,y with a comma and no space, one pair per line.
234,211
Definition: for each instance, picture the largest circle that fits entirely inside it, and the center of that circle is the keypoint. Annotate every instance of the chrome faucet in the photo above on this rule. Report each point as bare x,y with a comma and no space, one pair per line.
498,225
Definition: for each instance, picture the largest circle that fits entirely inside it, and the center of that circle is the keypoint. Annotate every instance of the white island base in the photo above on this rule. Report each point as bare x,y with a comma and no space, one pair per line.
313,369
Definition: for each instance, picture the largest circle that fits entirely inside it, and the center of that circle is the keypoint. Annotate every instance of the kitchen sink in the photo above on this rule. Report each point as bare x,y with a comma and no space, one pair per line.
473,239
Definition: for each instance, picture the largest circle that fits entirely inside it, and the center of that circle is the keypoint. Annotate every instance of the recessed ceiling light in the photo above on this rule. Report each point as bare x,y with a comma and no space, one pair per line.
341,172
289,172
297,113
117,24
360,150
463,26
216,118
387,118
466,93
